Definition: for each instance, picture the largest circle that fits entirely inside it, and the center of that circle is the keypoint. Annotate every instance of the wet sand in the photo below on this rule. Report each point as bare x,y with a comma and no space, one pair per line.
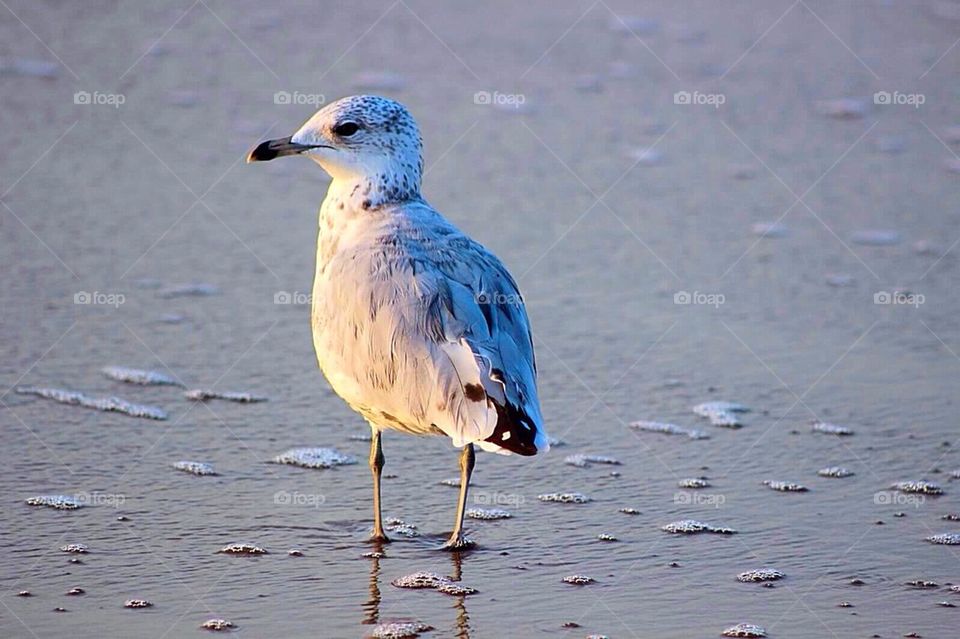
137,204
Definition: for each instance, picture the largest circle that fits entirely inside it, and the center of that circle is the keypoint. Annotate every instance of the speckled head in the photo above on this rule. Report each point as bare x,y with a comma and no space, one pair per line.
359,139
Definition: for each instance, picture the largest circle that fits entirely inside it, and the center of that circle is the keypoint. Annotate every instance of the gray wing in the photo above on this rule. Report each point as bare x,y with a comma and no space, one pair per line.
440,338
487,337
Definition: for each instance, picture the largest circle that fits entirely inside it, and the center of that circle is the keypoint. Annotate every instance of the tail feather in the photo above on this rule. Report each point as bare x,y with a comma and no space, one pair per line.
516,431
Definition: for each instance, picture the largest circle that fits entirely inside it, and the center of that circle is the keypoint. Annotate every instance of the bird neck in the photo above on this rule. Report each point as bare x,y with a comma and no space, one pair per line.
376,184
355,202
368,193
357,199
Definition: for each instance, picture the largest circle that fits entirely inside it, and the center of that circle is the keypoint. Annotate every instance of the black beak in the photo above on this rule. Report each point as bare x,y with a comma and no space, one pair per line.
266,151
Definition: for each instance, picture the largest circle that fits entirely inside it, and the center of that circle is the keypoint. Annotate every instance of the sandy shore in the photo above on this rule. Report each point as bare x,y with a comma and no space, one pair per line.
618,157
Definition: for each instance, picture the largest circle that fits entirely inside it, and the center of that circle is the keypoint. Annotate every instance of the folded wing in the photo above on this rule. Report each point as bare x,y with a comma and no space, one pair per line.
489,374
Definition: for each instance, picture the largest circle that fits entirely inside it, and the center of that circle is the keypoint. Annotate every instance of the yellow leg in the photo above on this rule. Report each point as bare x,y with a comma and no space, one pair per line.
376,467
467,461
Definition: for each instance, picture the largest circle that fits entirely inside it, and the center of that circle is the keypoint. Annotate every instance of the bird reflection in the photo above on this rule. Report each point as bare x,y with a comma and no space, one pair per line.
372,606
463,619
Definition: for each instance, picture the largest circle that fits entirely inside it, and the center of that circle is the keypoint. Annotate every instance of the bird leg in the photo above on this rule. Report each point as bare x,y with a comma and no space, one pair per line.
467,460
376,467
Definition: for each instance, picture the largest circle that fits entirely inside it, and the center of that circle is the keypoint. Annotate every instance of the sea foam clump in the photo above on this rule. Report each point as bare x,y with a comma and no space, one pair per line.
487,514
745,630
242,549
455,589
417,580
785,486
668,429
760,574
314,457
921,486
400,630
139,377
202,395
399,526
59,502
75,548
582,461
721,413
835,471
106,404
692,527
433,581
194,468
830,429
564,498
217,625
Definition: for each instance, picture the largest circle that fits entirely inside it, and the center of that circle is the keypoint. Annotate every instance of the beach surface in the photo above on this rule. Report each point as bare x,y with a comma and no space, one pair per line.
706,201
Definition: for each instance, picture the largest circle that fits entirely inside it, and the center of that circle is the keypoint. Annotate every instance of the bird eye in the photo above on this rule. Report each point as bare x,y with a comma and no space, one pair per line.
346,129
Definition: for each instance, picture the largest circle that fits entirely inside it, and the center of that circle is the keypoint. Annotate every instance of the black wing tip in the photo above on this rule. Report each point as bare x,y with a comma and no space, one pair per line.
520,429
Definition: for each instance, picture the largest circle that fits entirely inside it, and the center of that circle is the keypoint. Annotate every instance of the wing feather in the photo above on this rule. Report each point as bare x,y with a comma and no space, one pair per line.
492,322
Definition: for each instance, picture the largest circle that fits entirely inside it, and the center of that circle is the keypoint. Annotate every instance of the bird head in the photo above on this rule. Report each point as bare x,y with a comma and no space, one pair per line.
358,137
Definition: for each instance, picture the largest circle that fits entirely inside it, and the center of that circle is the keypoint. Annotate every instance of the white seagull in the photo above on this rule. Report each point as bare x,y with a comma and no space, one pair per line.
416,326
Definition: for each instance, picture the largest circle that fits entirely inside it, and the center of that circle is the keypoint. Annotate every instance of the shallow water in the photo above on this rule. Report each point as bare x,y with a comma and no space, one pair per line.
657,300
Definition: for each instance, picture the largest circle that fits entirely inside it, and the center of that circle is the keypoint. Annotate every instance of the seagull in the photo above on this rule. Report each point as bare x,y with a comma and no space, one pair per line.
418,327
